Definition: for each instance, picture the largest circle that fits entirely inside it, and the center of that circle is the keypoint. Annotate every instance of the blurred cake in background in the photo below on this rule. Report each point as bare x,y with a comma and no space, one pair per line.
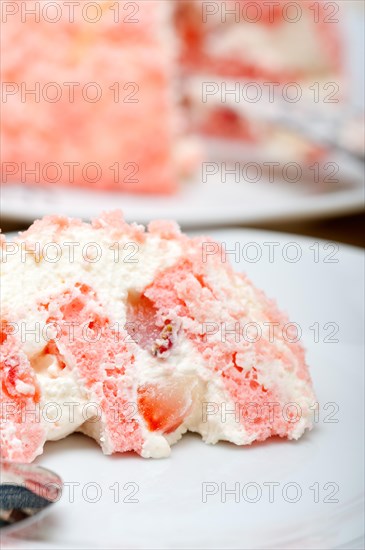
88,98
109,96
243,57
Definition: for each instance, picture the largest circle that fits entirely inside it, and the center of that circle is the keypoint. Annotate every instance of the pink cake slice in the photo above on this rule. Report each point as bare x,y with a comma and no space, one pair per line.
135,337
88,96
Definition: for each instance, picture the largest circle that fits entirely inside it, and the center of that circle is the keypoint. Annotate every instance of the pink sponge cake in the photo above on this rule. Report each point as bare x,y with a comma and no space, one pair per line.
135,337
88,96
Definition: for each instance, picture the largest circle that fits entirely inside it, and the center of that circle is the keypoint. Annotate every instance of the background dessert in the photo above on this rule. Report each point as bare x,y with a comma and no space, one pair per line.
111,96
90,99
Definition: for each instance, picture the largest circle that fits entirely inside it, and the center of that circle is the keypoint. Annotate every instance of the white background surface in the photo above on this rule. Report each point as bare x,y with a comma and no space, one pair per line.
170,512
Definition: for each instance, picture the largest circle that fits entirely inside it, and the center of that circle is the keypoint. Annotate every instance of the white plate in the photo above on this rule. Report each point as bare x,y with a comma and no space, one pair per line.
170,512
196,205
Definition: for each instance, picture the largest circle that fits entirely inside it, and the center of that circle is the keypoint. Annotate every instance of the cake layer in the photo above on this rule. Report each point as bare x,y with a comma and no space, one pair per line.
242,59
269,41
